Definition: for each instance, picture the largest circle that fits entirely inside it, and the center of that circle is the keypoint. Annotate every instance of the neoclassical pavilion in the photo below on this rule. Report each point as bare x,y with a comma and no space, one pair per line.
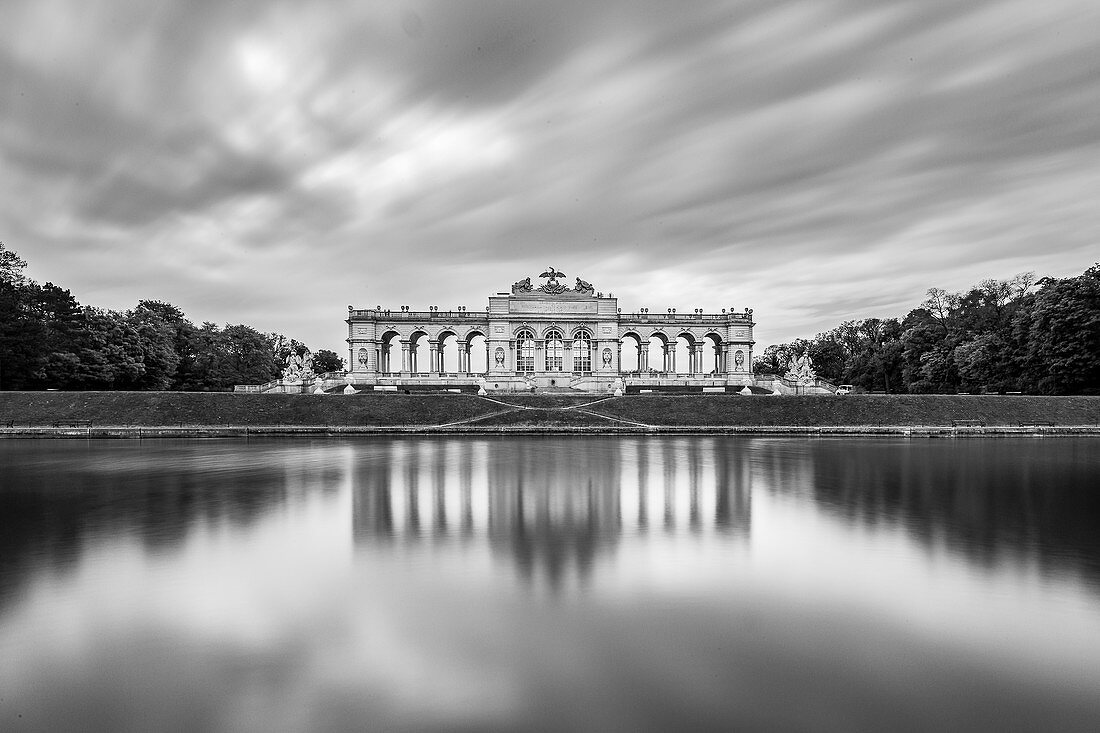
549,336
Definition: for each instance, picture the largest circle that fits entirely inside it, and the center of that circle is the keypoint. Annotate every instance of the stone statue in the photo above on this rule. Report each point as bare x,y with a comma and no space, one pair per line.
298,368
584,287
523,286
801,371
553,275
553,287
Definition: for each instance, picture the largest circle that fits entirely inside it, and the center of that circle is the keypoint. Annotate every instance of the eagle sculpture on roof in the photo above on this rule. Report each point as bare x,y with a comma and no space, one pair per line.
553,275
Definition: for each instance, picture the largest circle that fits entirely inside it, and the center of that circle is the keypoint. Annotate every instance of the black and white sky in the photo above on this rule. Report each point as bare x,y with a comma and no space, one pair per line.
272,163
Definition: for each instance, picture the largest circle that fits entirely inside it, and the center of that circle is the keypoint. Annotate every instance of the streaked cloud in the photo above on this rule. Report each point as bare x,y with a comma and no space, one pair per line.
272,163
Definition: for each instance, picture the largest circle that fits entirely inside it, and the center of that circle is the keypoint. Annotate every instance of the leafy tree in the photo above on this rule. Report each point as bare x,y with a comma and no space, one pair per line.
62,319
243,355
108,352
157,341
829,357
11,267
1063,335
325,360
198,357
21,337
777,359
161,317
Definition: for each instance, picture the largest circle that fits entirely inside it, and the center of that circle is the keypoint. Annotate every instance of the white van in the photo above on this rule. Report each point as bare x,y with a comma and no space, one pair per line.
845,389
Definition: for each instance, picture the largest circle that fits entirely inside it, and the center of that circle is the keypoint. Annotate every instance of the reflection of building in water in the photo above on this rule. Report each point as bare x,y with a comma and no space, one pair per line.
551,503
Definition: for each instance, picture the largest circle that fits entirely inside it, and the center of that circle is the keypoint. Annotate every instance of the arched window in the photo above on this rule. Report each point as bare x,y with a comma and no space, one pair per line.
582,351
525,351
555,351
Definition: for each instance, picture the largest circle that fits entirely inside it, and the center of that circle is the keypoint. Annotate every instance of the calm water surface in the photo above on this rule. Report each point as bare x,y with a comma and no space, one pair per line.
641,583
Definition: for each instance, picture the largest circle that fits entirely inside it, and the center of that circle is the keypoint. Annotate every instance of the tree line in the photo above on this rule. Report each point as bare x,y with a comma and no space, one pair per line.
1018,335
49,340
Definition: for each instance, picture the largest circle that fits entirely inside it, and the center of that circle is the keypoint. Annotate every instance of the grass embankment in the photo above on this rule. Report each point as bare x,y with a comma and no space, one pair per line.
154,409
374,410
828,410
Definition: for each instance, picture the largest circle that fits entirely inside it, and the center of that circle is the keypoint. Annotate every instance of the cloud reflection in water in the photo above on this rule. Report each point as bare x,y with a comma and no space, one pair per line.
560,583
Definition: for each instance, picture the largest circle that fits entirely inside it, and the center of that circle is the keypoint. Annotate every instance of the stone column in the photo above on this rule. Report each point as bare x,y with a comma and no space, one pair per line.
463,356
406,357
433,357
618,357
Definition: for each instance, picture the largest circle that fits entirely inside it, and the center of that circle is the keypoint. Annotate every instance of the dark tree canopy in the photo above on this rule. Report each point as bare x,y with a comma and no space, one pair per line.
49,340
1000,336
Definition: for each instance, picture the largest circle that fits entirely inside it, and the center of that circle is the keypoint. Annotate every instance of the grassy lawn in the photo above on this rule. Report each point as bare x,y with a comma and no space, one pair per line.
152,409
853,410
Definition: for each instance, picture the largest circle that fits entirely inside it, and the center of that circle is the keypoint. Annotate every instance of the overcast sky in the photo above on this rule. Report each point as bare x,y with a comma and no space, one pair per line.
817,160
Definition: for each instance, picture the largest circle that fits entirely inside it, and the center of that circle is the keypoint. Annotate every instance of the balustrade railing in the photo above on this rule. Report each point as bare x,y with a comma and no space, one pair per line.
684,317
391,315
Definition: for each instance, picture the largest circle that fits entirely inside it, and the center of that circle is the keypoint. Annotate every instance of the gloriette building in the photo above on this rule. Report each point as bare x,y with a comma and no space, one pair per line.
549,336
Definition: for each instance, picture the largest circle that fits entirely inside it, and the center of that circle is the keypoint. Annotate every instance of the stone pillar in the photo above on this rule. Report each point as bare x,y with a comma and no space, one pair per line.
618,357
463,356
406,360
434,357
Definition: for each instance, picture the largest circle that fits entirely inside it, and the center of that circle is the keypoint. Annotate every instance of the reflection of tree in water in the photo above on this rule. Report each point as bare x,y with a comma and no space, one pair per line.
990,500
53,508
553,505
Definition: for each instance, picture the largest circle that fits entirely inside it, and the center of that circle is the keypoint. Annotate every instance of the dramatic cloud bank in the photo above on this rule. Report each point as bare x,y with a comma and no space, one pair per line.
817,160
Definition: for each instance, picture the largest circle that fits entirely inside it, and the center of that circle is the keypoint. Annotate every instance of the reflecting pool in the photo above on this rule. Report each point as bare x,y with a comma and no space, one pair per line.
622,583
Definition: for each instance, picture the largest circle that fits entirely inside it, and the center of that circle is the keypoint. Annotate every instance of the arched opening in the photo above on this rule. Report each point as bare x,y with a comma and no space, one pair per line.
582,351
631,347
525,351
448,352
477,346
389,352
555,351
684,356
656,354
419,353
712,354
